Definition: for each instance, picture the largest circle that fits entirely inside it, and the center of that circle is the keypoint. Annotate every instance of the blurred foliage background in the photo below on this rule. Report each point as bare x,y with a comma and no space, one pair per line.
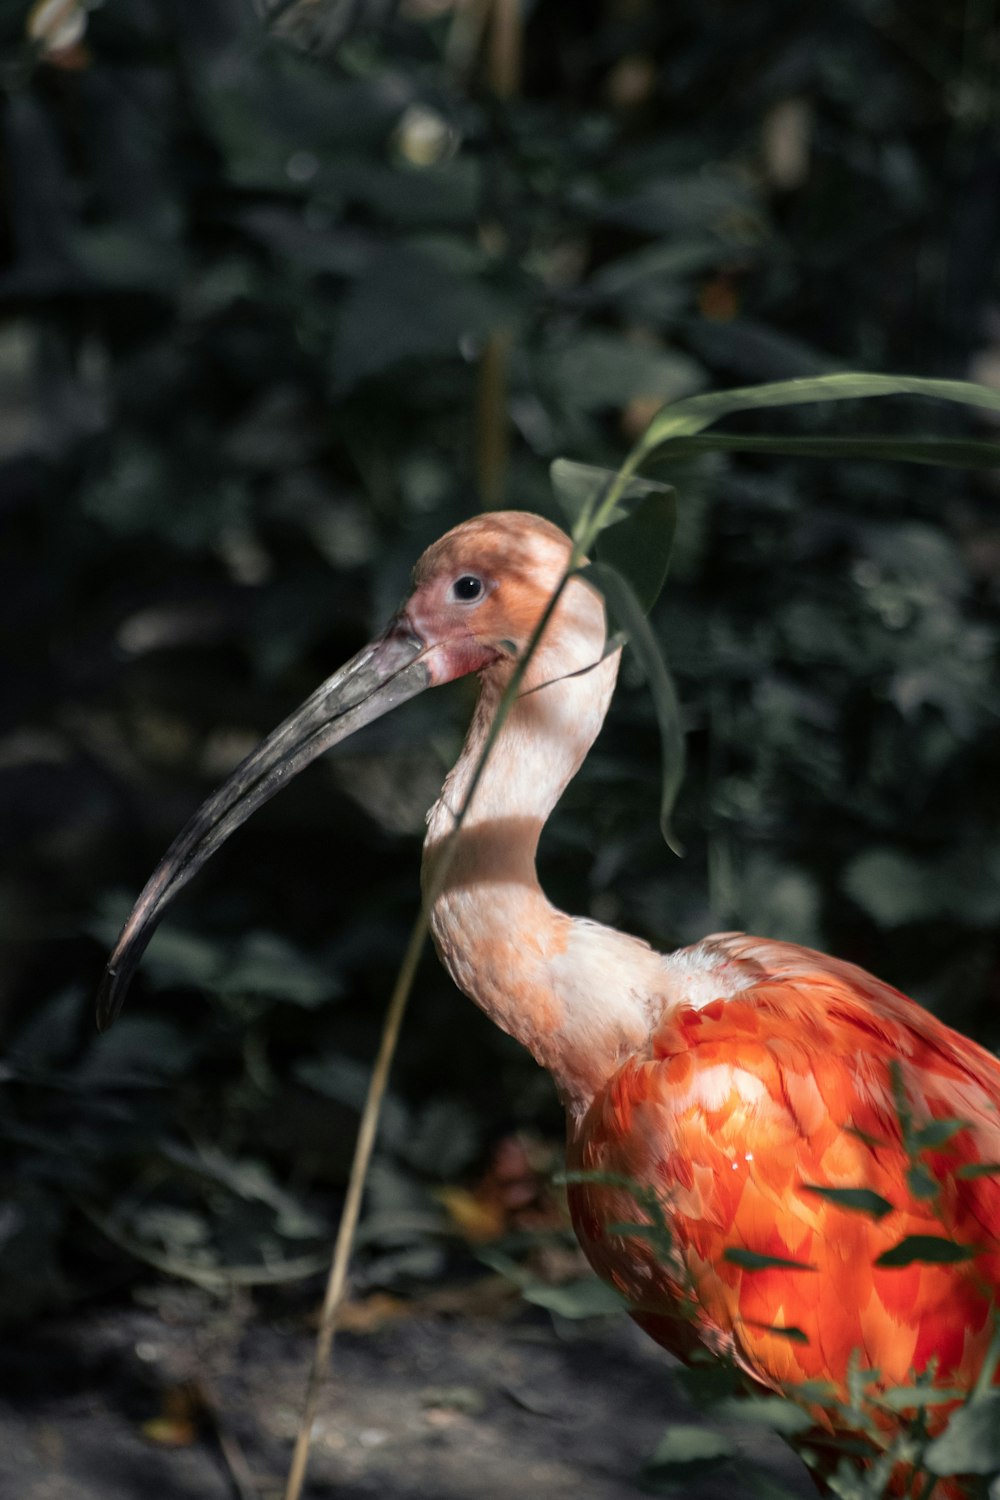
284,296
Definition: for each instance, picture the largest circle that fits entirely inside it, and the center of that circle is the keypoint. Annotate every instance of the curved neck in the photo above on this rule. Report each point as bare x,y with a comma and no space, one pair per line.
579,996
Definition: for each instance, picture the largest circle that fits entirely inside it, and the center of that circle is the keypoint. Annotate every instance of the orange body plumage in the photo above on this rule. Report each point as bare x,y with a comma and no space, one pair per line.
755,1120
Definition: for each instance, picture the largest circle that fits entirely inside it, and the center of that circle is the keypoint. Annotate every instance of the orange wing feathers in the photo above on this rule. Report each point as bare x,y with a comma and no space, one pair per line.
739,1113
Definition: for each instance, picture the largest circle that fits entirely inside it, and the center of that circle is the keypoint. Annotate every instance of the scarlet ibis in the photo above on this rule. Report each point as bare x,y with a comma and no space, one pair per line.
773,1154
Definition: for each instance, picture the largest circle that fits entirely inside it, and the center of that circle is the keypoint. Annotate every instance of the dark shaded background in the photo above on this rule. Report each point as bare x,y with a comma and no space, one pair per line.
271,322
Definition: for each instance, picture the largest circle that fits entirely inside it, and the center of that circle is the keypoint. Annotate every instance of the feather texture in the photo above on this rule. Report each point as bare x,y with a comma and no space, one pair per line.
783,1132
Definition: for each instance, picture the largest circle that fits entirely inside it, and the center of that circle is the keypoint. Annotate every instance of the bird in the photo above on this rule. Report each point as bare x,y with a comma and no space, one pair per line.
772,1156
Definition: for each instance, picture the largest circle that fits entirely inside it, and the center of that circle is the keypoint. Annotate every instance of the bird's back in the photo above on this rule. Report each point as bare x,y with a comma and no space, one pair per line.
818,1160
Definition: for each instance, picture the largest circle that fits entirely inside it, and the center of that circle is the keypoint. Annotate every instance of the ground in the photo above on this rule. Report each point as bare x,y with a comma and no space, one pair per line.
178,1397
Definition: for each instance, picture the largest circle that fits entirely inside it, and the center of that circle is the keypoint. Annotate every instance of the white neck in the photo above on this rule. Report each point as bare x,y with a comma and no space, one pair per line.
579,996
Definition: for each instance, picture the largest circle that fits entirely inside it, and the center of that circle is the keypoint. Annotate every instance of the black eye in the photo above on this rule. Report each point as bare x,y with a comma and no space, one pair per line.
467,588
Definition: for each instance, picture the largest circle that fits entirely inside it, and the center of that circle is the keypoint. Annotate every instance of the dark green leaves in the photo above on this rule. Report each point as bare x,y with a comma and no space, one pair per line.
755,1260
582,489
685,1451
773,1412
927,1249
784,1331
626,610
971,1442
920,1182
406,306
584,1298
639,548
979,1169
856,1200
639,557
938,1133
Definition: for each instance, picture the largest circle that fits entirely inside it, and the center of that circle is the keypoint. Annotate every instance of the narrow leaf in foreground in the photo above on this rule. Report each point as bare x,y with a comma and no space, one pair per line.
580,488
627,612
695,413
952,453
639,548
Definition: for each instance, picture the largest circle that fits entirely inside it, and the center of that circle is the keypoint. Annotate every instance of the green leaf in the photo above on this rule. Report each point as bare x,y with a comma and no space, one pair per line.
935,1134
587,1298
754,1260
345,1080
874,1142
920,1182
695,413
855,1200
708,1384
891,887
928,1249
674,203
915,1397
248,1179
954,453
640,547
628,614
685,1450
504,1265
784,1331
579,488
774,1412
50,1031
140,1050
971,1442
598,370
658,270
406,306
265,964
979,1169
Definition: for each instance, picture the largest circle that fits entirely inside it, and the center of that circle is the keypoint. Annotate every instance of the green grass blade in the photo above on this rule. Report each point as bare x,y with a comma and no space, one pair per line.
695,413
954,453
627,611
580,489
640,547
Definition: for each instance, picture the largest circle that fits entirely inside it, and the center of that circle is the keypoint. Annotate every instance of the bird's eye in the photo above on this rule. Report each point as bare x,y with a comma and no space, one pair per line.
467,589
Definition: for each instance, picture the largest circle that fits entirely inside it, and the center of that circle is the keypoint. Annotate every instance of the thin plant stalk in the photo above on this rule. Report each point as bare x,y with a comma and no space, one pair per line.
343,1245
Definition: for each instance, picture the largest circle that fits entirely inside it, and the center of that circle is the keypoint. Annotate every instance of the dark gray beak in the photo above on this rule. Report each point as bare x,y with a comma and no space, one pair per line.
383,675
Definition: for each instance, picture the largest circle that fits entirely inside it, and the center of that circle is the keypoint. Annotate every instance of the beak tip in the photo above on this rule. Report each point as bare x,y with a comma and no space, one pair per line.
109,1002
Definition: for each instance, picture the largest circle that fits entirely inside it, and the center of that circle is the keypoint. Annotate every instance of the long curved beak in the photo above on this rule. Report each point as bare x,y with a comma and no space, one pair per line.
386,673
